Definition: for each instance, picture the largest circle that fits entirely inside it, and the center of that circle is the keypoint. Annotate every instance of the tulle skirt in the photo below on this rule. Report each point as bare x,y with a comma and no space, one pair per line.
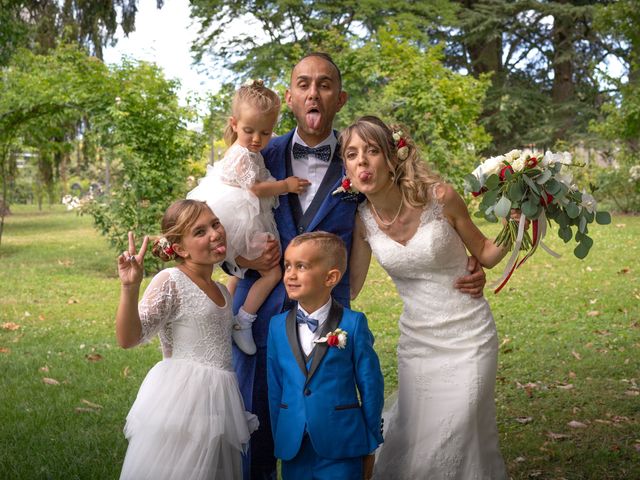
247,219
188,422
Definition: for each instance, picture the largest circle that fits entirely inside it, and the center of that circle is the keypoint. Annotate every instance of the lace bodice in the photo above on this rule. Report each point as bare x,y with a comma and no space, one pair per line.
190,325
424,272
242,168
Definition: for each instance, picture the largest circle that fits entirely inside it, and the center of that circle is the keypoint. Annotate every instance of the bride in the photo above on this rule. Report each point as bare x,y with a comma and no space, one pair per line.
443,425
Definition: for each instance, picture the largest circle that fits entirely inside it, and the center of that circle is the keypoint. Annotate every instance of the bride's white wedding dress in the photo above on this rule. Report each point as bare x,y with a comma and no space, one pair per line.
443,425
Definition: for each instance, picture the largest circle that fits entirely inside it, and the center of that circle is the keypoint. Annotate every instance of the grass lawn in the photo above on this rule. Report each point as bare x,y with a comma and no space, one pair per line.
568,398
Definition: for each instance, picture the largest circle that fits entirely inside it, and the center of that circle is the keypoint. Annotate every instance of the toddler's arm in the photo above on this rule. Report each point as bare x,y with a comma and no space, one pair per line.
130,271
288,185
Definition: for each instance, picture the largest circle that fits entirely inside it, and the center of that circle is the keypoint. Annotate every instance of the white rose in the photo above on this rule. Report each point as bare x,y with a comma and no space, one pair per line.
518,164
588,202
513,155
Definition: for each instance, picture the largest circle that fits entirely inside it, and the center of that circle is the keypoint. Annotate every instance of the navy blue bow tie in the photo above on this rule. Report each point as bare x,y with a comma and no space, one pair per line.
312,323
323,153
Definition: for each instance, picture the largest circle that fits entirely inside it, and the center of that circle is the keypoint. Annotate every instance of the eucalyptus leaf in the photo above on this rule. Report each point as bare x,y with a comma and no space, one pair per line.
530,208
553,186
471,183
572,210
531,184
565,233
542,178
581,250
503,207
516,192
603,218
492,182
583,224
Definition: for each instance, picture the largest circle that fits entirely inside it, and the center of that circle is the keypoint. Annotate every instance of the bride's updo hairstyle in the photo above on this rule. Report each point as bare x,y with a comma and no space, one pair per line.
176,222
255,94
409,172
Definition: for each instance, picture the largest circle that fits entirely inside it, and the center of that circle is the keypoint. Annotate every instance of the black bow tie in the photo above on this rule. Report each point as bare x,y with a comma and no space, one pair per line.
323,152
312,323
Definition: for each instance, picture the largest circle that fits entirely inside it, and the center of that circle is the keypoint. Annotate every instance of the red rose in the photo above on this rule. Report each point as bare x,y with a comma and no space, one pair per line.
503,171
531,162
332,340
346,184
402,143
544,202
169,250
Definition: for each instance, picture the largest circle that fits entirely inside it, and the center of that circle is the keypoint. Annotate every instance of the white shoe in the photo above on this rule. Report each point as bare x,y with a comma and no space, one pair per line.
244,339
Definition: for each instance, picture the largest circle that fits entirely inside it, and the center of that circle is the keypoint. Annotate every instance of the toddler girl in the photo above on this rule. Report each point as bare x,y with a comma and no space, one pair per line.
244,194
188,420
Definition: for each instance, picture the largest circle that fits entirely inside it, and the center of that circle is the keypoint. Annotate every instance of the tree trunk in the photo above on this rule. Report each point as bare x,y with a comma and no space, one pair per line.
563,90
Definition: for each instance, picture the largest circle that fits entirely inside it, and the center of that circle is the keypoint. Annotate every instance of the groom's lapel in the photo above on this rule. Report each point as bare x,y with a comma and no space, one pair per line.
333,320
292,337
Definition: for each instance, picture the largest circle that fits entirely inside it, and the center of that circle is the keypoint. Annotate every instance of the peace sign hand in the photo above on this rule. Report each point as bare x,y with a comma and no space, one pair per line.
130,264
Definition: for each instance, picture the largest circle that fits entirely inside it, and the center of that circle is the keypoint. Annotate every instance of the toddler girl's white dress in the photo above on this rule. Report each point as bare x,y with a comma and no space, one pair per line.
247,219
188,421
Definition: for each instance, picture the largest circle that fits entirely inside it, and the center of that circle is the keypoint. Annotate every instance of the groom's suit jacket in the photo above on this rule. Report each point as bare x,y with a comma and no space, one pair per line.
335,396
326,212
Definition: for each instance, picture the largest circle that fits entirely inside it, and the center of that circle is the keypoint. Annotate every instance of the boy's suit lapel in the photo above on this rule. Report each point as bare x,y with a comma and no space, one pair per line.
332,322
292,337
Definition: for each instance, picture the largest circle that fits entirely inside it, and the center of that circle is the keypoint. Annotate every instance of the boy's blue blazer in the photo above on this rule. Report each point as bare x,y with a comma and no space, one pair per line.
338,400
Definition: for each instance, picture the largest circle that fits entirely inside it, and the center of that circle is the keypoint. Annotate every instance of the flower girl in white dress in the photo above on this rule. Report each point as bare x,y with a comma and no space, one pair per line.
188,420
243,194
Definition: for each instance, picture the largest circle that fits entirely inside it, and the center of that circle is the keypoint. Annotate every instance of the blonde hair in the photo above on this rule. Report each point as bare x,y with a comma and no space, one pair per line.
330,246
256,95
176,222
412,175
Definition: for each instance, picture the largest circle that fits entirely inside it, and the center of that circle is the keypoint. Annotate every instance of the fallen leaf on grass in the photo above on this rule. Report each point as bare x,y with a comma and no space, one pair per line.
565,386
524,420
624,270
576,355
10,326
44,369
519,459
90,404
604,422
27,314
93,357
576,424
621,225
604,333
65,263
50,381
125,372
632,393
41,317
557,436
5,350
71,301
593,313
572,374
86,410
637,447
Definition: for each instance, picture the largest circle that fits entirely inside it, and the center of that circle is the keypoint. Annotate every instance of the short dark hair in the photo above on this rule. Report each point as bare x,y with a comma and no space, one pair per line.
332,247
327,57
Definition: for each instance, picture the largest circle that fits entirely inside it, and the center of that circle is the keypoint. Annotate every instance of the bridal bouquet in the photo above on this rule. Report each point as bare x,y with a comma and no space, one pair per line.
541,187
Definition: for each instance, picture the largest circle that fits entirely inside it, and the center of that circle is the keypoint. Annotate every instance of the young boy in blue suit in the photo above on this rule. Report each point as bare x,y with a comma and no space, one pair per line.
325,386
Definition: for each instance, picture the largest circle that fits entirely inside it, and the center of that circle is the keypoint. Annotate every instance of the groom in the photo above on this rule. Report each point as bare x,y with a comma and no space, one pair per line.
309,151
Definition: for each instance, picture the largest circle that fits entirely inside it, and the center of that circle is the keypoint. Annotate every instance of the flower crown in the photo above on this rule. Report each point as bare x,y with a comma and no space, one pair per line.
401,144
163,245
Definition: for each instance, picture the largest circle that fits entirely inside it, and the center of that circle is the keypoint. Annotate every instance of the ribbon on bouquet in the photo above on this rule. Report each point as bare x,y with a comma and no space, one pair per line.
539,230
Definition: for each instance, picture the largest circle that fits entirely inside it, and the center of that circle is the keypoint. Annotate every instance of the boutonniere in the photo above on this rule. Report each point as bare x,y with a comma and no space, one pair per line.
349,193
337,338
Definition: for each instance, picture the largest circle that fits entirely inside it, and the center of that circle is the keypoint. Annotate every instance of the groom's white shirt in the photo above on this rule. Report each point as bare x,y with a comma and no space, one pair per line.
306,336
313,169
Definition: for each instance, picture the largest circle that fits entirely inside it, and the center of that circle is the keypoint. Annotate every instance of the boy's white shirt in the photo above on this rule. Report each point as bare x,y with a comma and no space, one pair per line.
305,335
313,169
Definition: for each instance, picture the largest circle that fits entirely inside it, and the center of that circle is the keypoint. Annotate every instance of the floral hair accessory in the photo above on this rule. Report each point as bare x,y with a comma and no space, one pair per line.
401,145
253,82
163,245
337,338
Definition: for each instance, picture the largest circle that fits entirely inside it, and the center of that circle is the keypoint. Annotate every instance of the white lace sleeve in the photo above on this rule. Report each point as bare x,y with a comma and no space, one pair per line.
240,167
158,304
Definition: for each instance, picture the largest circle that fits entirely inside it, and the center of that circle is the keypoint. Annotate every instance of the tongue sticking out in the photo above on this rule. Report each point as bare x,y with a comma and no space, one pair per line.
221,249
313,120
364,176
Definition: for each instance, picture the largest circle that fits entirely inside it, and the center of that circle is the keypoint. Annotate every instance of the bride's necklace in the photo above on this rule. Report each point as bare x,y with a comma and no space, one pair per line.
387,224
